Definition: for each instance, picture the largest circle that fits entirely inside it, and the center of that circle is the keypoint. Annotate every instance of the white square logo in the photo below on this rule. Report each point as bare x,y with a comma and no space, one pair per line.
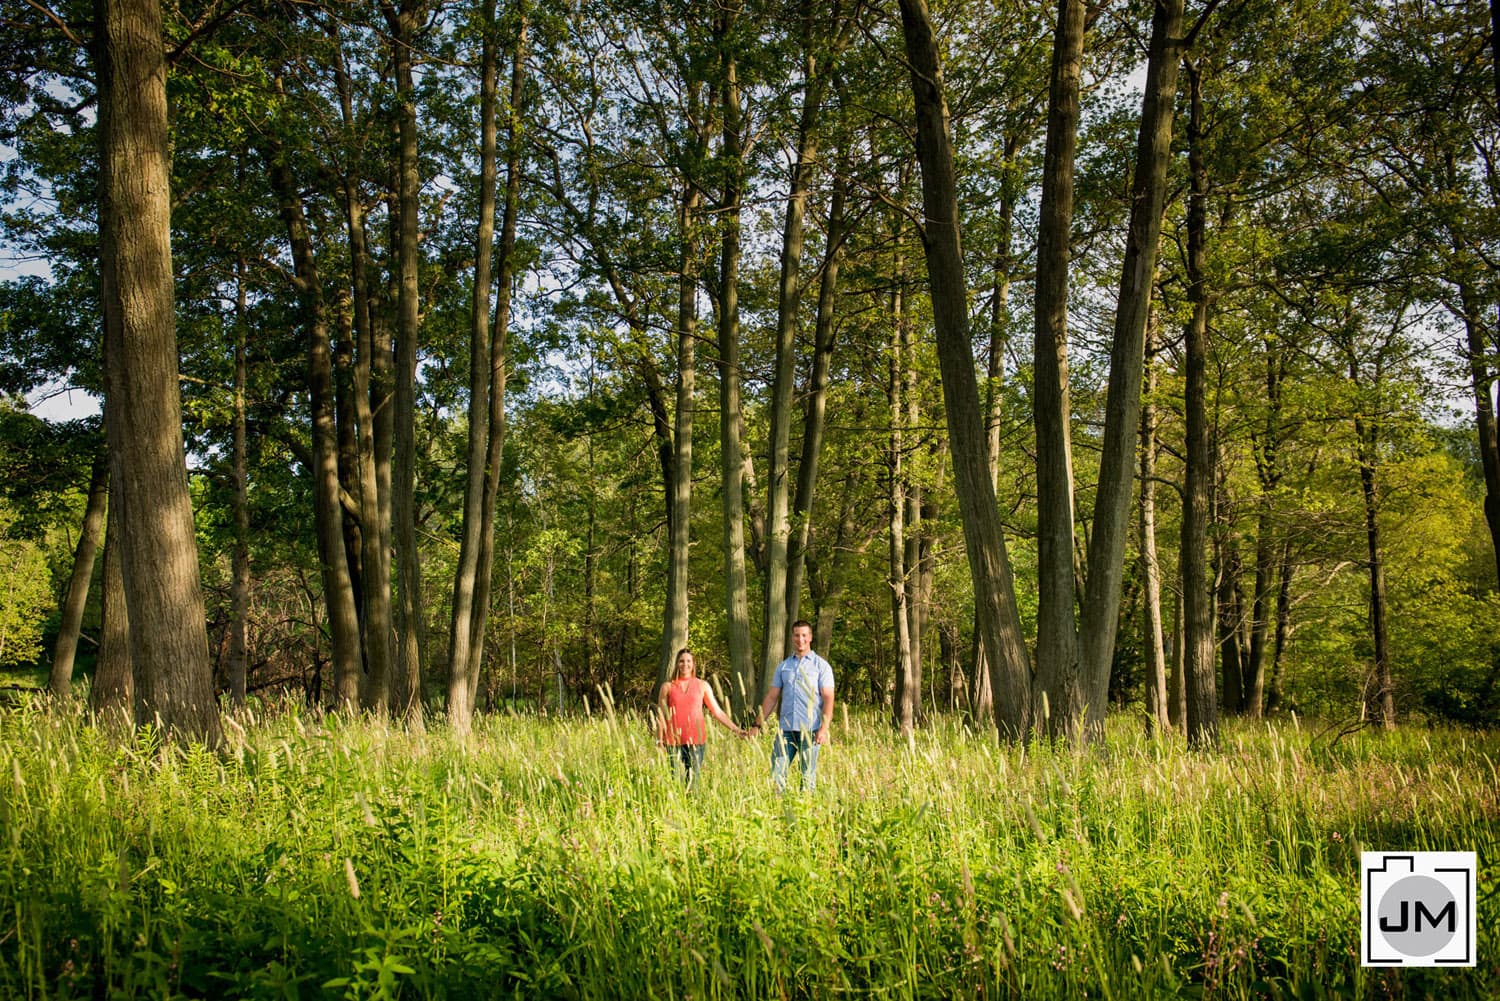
1416,909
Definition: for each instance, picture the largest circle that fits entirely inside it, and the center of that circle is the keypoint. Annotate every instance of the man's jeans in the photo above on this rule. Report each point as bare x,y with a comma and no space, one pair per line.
799,744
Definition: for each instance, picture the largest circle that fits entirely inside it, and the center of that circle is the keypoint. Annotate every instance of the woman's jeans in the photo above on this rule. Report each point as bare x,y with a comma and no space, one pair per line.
691,756
801,745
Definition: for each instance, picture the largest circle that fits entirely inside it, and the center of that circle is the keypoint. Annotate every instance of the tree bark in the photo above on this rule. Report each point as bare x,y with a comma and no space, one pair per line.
60,683
1197,597
143,415
1176,680
1106,554
347,450
460,633
405,697
1156,664
897,385
1268,469
1283,627
328,512
499,357
743,690
239,586
789,301
1482,380
996,610
1383,699
60,680
1062,695
112,695
827,587
815,417
679,514
1227,566
372,413
1000,319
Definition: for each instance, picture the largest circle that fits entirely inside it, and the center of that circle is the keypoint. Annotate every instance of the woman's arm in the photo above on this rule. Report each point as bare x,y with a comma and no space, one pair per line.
717,713
661,714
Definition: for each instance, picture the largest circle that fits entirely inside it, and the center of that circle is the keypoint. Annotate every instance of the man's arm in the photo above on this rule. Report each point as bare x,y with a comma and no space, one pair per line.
767,706
823,731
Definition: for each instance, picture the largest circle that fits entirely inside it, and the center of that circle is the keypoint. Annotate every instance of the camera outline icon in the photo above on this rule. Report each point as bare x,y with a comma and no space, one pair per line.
1417,908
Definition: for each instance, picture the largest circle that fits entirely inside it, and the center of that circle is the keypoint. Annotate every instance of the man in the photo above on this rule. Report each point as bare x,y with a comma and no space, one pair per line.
803,684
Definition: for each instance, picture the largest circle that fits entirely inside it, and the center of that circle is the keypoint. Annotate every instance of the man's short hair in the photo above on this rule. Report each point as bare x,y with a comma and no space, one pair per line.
800,623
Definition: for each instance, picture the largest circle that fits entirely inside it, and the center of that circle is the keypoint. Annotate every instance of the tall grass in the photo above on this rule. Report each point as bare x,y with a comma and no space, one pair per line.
327,857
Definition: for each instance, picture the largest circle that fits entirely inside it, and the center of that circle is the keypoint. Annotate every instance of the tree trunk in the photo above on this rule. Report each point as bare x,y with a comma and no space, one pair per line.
1062,694
499,359
997,613
1283,627
1106,555
461,622
60,683
112,695
1255,677
827,587
679,518
1176,682
743,690
405,698
143,411
978,697
347,451
1383,700
815,417
1482,380
1156,664
1000,318
239,586
328,512
1227,574
1197,597
372,412
903,694
1268,473
789,300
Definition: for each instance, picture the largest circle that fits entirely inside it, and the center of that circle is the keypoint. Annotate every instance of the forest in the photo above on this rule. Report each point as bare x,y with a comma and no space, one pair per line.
1055,360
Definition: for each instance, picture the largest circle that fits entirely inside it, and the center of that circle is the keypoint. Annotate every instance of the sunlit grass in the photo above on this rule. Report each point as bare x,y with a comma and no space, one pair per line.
327,857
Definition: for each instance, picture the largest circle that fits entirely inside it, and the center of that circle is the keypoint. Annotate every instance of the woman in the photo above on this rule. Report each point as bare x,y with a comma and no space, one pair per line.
680,713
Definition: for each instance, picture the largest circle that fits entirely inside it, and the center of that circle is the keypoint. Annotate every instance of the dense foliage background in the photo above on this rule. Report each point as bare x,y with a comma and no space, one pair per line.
1348,152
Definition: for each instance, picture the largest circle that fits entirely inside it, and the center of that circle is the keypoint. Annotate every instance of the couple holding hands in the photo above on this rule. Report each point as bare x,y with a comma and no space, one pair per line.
803,687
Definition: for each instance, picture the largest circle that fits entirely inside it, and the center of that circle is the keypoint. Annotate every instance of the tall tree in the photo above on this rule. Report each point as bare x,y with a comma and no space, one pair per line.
239,585
819,57
1106,556
1197,596
984,540
328,511
405,697
460,633
499,353
373,385
1062,695
159,555
743,690
1156,662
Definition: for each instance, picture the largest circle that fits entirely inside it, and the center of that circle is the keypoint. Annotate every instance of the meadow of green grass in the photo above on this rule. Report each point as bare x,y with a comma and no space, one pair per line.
562,858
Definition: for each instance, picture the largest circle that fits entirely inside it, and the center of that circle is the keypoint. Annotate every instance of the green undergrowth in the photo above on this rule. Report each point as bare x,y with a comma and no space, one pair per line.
545,858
